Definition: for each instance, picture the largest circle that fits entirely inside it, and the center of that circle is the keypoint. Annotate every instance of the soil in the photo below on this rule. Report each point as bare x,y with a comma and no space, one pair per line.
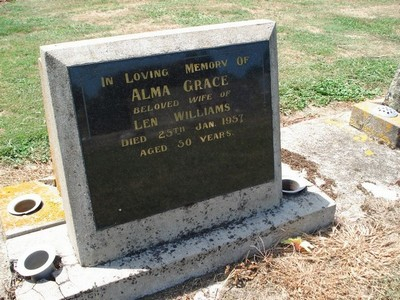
299,163
11,175
312,112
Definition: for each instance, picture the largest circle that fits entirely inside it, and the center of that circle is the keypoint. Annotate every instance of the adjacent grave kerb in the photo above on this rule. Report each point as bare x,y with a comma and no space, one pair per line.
238,161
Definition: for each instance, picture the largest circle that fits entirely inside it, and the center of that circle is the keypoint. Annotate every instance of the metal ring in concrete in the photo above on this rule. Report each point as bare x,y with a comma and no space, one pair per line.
24,204
37,263
291,186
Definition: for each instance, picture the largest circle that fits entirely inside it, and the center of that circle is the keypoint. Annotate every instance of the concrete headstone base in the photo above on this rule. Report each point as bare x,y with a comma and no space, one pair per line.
159,268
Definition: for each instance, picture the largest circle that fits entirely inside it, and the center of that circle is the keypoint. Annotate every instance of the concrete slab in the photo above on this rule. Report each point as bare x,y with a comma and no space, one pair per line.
347,156
5,273
158,268
365,117
50,213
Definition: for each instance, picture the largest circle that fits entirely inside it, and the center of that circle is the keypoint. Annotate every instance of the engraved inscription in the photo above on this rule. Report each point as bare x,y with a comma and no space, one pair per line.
151,126
205,83
150,93
208,65
145,75
146,123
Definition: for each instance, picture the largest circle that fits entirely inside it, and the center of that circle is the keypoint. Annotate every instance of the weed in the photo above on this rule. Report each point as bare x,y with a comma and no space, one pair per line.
344,80
16,150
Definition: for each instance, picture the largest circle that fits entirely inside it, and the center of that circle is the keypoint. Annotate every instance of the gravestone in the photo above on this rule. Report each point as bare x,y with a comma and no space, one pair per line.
160,136
392,97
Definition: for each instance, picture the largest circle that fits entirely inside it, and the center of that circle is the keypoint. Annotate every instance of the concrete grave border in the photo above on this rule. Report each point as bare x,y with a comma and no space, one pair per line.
158,268
96,246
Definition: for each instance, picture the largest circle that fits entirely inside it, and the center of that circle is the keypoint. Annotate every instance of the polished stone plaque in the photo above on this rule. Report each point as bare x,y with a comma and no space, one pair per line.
168,131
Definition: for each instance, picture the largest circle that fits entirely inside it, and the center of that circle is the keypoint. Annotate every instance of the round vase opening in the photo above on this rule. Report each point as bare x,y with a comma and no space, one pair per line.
36,260
291,186
37,263
24,205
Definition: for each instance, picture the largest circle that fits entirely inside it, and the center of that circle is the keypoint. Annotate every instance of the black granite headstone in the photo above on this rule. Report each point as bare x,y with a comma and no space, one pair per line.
168,131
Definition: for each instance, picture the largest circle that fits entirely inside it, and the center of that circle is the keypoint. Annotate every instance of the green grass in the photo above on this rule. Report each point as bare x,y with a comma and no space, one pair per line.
386,28
317,43
325,54
190,13
24,135
352,79
195,18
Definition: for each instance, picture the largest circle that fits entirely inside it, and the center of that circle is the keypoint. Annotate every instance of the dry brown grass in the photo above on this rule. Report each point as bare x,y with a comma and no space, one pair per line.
358,260
351,261
373,11
14,174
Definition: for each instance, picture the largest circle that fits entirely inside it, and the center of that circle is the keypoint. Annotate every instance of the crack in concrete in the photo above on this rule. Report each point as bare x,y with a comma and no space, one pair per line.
41,295
364,190
59,288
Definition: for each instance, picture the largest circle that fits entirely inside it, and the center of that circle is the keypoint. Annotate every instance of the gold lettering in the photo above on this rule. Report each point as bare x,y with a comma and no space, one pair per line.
232,119
196,67
200,98
163,134
144,75
215,136
205,111
206,83
153,150
127,79
133,141
145,123
155,106
205,125
150,93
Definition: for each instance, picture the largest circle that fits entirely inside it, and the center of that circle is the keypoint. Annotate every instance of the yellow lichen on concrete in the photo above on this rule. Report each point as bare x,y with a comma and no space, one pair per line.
369,152
50,212
365,118
335,122
389,127
377,134
361,138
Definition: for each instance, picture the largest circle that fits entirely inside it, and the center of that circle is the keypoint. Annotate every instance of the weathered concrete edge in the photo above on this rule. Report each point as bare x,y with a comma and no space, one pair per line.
28,229
385,130
167,41
157,269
